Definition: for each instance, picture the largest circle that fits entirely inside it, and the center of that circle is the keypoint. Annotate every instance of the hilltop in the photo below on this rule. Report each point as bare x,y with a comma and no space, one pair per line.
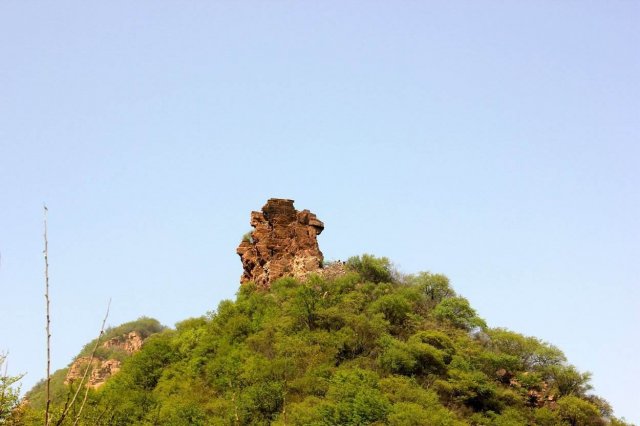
309,342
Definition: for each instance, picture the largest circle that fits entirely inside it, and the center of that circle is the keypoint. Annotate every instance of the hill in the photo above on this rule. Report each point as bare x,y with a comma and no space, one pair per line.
313,343
365,346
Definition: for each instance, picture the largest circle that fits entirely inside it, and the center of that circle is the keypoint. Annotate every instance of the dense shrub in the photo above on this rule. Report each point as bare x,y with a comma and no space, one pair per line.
361,348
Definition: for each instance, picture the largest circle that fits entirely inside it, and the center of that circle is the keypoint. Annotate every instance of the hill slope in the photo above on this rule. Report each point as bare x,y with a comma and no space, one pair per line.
362,346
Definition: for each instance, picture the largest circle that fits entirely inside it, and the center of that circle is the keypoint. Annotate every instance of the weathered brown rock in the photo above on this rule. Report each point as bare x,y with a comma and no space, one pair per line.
100,370
283,243
77,369
130,343
100,375
539,395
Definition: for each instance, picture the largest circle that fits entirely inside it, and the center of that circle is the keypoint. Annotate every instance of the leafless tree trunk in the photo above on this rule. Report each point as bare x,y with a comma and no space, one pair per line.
69,404
93,353
48,327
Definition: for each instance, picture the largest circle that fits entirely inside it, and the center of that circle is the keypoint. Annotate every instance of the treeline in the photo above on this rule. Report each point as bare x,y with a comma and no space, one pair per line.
367,347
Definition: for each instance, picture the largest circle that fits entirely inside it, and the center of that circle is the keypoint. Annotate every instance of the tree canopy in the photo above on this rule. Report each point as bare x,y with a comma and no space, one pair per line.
370,346
9,391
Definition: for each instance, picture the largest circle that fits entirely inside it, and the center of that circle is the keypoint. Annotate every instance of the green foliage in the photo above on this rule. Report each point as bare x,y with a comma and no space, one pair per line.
457,312
576,411
474,389
354,398
569,381
411,358
435,286
371,268
144,326
412,414
530,352
510,417
37,396
362,348
9,392
248,237
393,307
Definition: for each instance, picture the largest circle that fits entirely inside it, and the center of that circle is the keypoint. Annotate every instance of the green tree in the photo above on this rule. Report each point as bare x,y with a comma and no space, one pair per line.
354,398
394,307
569,381
358,349
531,352
459,313
9,391
436,287
371,268
578,412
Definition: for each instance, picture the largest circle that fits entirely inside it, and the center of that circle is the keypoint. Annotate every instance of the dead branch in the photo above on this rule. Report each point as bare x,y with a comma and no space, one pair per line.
67,407
48,326
86,392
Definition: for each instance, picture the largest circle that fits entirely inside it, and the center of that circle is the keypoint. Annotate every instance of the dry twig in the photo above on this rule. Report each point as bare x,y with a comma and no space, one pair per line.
84,376
48,327
86,392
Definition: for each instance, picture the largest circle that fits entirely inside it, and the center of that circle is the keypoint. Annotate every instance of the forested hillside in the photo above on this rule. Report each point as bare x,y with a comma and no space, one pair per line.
364,346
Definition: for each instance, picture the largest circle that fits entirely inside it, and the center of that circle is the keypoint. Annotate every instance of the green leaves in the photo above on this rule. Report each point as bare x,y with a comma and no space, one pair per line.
371,268
411,358
457,312
531,352
9,391
569,381
435,286
354,398
576,411
362,348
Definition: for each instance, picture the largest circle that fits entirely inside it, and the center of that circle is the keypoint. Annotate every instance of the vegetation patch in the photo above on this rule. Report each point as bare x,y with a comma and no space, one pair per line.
370,346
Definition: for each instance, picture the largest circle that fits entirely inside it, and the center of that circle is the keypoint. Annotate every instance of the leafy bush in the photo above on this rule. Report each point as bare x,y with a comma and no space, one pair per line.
144,326
248,237
371,268
435,286
361,348
9,391
578,412
458,313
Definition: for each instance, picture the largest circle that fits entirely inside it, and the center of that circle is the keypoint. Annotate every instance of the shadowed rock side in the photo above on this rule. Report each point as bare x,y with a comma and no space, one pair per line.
283,243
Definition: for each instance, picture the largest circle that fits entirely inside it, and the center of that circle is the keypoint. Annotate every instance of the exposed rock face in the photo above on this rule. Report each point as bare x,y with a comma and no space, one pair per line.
129,343
283,243
100,375
538,396
100,370
77,369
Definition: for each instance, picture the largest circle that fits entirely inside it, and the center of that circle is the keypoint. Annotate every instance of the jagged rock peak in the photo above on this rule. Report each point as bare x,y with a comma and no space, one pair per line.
283,243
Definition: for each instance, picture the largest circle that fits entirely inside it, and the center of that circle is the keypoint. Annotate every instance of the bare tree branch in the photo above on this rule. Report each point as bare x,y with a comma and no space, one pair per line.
86,392
48,327
84,376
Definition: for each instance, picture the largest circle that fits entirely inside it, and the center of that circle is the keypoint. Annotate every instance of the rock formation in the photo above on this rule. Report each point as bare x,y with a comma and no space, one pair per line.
77,369
130,343
100,370
283,243
100,375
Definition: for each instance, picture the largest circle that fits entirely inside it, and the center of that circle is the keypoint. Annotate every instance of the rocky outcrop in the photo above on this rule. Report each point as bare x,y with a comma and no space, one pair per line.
332,270
130,343
539,395
283,243
77,369
99,370
100,375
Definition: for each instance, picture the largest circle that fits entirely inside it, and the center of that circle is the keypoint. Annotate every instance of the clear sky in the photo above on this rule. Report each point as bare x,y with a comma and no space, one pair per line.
495,142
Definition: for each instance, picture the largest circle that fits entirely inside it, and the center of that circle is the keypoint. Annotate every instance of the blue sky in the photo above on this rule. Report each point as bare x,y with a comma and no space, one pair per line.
494,142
